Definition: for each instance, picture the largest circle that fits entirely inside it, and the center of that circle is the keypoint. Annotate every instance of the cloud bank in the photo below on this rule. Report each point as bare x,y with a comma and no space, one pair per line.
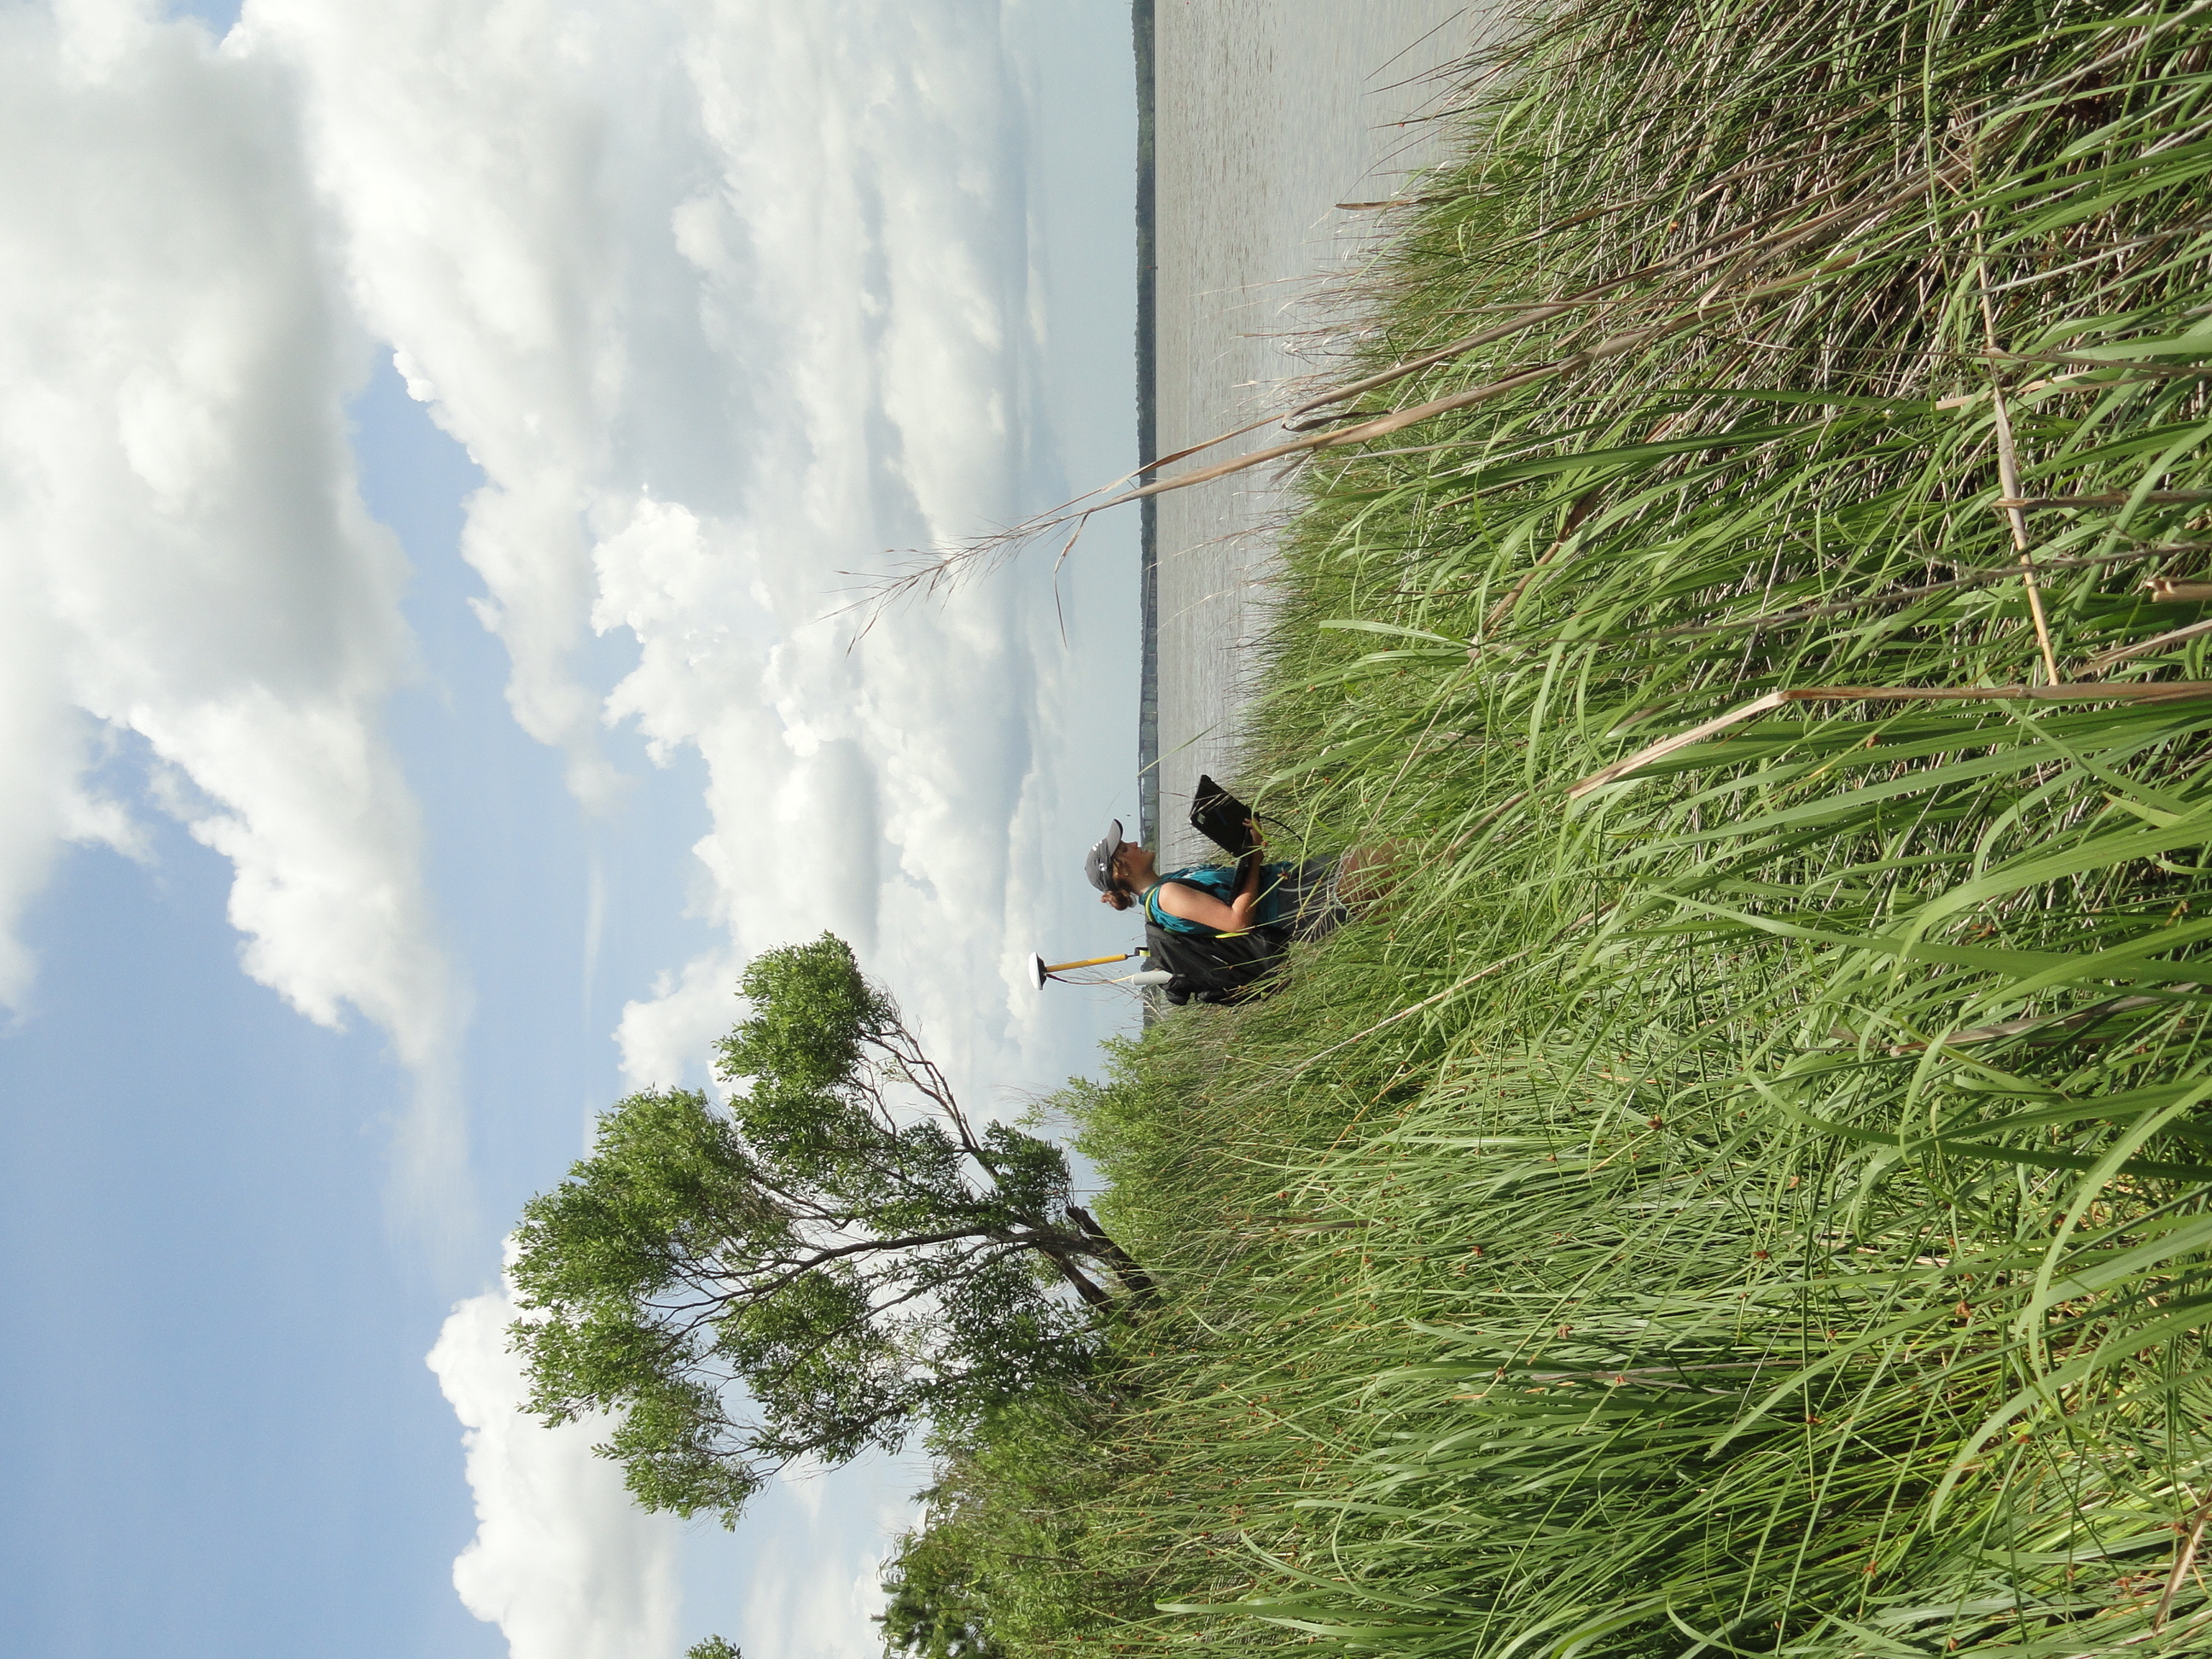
562,1561
183,556
726,297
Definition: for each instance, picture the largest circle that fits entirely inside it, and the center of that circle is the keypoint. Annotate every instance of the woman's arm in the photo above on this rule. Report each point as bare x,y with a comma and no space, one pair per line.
1248,889
1247,899
1195,904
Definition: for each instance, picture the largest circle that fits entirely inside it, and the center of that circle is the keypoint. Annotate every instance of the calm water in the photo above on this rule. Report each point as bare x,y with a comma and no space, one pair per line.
1269,113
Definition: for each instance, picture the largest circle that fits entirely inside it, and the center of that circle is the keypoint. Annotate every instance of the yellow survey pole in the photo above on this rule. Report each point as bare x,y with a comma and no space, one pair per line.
1090,962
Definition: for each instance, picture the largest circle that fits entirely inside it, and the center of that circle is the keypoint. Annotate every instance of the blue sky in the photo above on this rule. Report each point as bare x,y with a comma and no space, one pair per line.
399,762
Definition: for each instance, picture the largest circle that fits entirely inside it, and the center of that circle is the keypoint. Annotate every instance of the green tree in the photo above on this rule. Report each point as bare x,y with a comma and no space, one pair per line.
813,1272
714,1647
939,1605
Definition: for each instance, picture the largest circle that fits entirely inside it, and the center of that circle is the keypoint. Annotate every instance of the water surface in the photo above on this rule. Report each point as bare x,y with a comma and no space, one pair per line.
1268,114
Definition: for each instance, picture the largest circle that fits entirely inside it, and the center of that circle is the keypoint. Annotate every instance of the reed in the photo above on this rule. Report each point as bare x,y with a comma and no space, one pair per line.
1746,1191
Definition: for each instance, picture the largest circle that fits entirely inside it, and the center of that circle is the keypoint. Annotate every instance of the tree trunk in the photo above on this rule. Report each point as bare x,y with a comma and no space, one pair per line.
1086,1287
1125,1265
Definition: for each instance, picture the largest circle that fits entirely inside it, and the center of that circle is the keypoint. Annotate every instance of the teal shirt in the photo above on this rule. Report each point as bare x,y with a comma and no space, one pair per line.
1219,881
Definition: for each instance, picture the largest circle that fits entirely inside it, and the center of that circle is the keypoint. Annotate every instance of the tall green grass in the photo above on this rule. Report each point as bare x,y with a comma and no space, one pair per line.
1757,1205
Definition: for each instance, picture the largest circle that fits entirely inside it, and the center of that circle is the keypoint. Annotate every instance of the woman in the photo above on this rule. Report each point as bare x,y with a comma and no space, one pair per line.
1293,901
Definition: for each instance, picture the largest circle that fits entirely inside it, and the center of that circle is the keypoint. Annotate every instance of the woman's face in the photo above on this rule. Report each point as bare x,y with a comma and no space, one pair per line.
1132,867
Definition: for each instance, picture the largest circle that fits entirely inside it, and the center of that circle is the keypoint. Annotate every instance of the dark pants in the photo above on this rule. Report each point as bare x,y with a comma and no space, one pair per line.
1306,901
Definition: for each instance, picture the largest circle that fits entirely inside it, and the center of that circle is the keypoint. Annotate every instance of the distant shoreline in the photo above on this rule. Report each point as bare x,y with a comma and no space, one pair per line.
1148,559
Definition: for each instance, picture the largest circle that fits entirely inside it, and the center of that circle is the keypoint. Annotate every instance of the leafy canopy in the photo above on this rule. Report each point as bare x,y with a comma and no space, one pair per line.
811,1272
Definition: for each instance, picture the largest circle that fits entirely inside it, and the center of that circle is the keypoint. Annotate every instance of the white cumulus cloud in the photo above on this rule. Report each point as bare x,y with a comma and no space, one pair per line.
563,1562
184,556
727,297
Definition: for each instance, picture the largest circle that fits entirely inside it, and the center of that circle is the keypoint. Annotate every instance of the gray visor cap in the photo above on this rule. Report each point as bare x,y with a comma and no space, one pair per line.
1098,862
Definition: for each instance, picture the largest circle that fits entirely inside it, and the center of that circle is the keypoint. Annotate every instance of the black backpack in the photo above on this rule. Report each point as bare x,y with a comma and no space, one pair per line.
1214,967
